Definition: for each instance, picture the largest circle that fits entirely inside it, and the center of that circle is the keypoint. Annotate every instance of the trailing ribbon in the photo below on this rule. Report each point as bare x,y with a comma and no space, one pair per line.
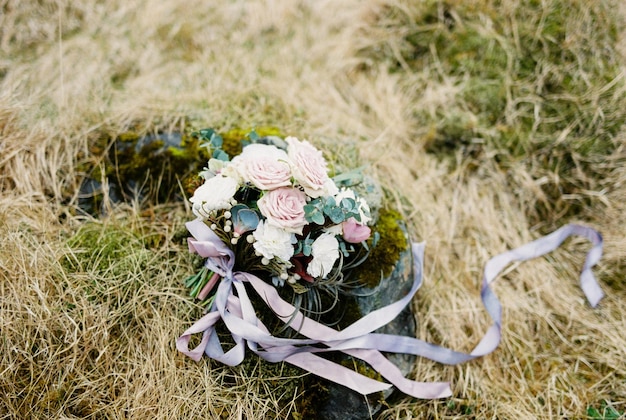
357,340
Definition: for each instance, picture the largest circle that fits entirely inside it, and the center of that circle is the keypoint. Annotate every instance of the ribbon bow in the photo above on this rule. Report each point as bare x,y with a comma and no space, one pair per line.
357,340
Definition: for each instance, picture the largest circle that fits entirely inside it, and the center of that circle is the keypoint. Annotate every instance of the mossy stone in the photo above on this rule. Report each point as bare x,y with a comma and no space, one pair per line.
342,403
131,166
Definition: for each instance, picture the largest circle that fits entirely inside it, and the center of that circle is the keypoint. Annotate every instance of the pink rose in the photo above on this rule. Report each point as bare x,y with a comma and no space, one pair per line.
284,208
266,167
309,168
354,232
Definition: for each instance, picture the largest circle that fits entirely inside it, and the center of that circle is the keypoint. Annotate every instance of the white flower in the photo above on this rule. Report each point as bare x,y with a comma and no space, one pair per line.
215,194
215,167
273,242
334,229
325,252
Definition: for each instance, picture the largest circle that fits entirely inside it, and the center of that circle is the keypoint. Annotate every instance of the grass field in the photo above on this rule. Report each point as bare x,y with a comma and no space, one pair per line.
490,123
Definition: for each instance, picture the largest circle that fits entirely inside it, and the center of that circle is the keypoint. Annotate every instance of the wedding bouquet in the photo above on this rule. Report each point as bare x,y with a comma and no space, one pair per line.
275,206
273,220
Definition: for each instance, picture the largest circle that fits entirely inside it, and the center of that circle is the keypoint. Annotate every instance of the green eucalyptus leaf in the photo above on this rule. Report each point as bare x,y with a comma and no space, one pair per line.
349,204
342,248
317,203
216,141
318,218
309,208
205,134
220,155
336,215
350,178
253,136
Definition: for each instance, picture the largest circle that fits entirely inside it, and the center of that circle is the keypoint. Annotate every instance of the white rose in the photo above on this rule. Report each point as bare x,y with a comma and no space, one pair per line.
215,194
273,242
325,252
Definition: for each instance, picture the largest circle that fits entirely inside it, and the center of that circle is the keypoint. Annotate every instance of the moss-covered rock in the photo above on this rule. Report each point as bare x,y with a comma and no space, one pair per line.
151,168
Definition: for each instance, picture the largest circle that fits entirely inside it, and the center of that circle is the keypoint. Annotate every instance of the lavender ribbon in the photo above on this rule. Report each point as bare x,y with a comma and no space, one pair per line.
357,340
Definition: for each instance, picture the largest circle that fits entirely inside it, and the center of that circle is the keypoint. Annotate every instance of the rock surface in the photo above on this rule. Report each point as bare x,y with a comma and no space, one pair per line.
345,404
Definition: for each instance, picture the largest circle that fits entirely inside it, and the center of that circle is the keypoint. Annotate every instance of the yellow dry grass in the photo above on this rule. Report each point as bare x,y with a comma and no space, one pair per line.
97,340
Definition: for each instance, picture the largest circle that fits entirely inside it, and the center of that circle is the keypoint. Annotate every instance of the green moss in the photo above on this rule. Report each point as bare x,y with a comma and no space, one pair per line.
98,247
111,261
234,138
540,86
384,256
154,166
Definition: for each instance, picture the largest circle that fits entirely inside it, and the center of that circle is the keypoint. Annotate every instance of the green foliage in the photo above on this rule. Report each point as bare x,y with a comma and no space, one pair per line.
317,210
606,412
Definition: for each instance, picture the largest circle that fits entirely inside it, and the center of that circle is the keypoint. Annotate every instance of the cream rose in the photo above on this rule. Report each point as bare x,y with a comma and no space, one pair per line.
309,168
215,194
266,167
284,208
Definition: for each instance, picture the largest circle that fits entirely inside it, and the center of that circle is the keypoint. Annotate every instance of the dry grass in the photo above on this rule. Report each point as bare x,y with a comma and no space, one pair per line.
90,309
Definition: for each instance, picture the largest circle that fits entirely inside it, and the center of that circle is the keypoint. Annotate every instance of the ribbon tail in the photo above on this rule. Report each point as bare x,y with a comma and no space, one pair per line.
422,390
203,325
337,373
